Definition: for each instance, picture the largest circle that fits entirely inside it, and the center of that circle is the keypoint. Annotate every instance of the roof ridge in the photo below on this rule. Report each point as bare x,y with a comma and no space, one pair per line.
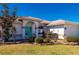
61,21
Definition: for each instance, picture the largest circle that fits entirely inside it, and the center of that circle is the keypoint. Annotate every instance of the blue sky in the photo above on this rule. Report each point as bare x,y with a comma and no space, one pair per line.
48,11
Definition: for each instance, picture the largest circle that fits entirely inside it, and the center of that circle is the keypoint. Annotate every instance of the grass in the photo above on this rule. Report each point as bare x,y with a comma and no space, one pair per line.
28,49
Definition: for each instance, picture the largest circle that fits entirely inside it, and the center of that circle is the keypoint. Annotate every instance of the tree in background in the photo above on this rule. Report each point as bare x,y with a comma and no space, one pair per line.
7,20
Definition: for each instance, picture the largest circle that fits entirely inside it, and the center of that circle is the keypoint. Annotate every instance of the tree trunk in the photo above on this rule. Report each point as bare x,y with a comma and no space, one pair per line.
14,34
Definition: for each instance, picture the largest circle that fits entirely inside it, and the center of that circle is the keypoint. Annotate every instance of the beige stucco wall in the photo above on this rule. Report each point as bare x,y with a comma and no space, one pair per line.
72,30
58,30
36,30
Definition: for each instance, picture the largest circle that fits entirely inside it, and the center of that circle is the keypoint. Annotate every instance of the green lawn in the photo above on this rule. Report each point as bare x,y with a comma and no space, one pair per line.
28,49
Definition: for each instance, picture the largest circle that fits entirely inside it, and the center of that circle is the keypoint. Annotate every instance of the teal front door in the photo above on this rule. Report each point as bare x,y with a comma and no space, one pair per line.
28,32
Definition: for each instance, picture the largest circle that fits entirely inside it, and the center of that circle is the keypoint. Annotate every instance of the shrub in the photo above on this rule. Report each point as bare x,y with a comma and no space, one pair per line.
38,40
48,34
31,40
46,40
72,39
50,37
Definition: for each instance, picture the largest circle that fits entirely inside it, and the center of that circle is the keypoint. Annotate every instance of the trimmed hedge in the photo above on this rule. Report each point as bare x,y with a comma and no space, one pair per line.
72,39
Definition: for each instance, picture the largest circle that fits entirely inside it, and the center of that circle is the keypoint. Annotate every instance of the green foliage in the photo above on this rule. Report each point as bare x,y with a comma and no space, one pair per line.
38,40
51,36
47,40
29,49
48,34
31,40
7,20
72,39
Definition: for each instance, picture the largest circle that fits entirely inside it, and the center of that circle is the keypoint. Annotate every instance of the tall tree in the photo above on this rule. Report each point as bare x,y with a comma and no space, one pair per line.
7,20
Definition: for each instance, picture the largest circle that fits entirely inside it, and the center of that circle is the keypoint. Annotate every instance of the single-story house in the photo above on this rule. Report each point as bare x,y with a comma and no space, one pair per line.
64,28
27,27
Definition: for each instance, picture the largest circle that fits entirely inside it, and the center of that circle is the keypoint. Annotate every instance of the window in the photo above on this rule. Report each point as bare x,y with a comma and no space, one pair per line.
26,34
65,28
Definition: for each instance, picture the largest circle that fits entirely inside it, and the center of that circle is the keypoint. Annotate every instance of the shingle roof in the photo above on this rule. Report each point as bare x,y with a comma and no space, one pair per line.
30,18
60,22
45,22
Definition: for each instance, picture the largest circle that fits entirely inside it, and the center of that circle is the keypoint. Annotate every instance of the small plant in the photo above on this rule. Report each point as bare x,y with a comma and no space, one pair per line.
31,40
38,40
47,40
